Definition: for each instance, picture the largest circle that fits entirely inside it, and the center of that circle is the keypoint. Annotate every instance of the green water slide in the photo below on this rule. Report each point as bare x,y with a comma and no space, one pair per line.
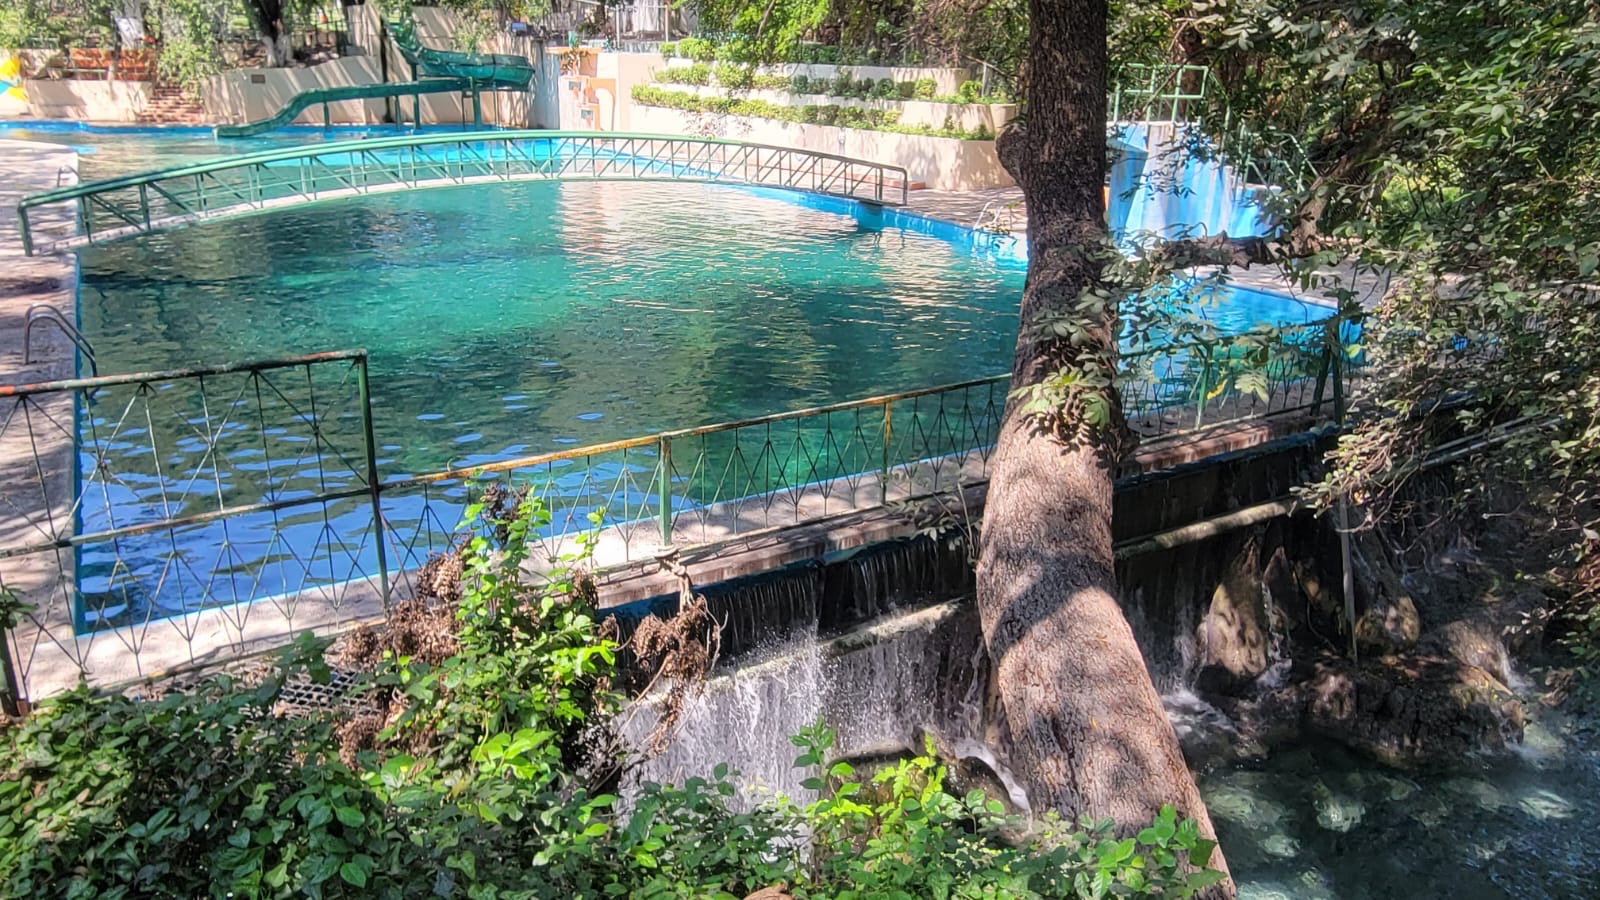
304,100
433,72
489,70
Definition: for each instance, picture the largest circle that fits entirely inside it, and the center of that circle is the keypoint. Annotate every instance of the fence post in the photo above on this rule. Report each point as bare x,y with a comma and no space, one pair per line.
1324,368
374,485
1202,389
664,492
1336,368
11,701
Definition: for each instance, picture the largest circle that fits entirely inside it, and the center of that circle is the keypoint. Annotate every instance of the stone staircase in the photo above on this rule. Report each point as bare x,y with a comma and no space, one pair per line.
169,105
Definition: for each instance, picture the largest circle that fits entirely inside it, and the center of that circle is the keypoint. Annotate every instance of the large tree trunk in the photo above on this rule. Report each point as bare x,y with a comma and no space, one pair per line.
1084,723
269,18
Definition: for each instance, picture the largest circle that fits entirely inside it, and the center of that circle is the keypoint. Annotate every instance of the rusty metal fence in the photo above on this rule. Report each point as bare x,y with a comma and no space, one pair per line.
160,521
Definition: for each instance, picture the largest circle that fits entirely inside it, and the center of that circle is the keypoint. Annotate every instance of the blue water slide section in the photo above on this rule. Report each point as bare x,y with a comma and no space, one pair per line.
1160,187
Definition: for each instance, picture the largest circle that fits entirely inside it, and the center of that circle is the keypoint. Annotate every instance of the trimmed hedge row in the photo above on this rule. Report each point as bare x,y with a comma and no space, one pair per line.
840,116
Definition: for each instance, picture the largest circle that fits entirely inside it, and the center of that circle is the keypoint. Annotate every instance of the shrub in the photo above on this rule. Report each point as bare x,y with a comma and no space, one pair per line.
864,88
735,76
697,49
843,85
474,779
669,49
970,91
906,90
739,50
772,82
885,89
799,84
845,116
697,74
924,88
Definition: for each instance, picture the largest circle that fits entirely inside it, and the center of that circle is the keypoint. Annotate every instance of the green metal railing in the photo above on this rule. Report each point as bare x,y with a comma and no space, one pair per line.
138,204
154,520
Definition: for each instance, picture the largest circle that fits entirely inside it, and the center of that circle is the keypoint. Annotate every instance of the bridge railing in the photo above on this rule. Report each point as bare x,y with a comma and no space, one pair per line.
135,204
159,521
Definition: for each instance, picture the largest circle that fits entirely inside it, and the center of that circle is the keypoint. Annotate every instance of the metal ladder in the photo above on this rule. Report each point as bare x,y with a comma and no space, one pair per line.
44,312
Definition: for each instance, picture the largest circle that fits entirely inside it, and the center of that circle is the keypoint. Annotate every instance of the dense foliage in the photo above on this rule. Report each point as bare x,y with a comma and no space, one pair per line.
845,84
489,778
1455,148
985,33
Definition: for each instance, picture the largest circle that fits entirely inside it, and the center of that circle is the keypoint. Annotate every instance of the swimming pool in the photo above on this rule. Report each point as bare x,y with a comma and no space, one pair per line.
509,320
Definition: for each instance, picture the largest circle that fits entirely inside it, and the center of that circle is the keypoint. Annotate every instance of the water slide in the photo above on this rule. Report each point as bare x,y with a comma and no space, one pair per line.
433,72
304,100
492,71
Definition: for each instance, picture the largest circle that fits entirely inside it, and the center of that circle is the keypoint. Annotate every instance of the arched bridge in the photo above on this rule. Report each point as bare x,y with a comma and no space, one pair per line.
136,204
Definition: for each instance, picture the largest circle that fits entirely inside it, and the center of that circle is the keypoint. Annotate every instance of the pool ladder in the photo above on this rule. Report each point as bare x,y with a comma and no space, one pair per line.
44,312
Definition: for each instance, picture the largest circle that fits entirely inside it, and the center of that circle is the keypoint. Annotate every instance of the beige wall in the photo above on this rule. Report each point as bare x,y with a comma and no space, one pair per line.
249,95
964,116
940,163
89,101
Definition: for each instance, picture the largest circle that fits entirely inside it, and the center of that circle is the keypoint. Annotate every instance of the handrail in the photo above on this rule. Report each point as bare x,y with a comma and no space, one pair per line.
391,143
105,381
130,204
50,314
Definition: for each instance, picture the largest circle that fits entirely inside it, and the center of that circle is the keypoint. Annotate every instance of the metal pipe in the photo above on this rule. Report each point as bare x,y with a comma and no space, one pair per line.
1207,528
102,381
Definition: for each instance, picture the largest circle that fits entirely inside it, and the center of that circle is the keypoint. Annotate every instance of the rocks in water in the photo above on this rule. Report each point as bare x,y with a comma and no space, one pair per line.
1336,811
1389,621
1234,635
1413,709
1474,643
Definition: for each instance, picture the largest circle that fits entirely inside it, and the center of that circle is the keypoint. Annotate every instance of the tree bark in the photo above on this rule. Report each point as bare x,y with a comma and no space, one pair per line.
1083,722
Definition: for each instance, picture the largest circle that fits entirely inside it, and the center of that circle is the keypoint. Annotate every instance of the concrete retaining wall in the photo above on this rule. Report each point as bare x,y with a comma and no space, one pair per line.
89,101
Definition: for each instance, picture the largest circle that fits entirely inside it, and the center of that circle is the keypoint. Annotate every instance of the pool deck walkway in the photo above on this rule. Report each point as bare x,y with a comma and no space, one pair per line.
35,498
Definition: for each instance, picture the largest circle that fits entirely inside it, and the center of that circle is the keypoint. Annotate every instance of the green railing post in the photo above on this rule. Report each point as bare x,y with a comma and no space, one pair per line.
1324,368
11,699
1336,367
374,483
27,233
664,491
1202,388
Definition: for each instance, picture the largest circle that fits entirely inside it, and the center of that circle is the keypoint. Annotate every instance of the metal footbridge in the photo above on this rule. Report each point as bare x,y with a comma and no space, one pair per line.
98,211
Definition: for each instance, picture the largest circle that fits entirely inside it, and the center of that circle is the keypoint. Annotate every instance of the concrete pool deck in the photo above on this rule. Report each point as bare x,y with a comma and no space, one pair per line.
35,500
